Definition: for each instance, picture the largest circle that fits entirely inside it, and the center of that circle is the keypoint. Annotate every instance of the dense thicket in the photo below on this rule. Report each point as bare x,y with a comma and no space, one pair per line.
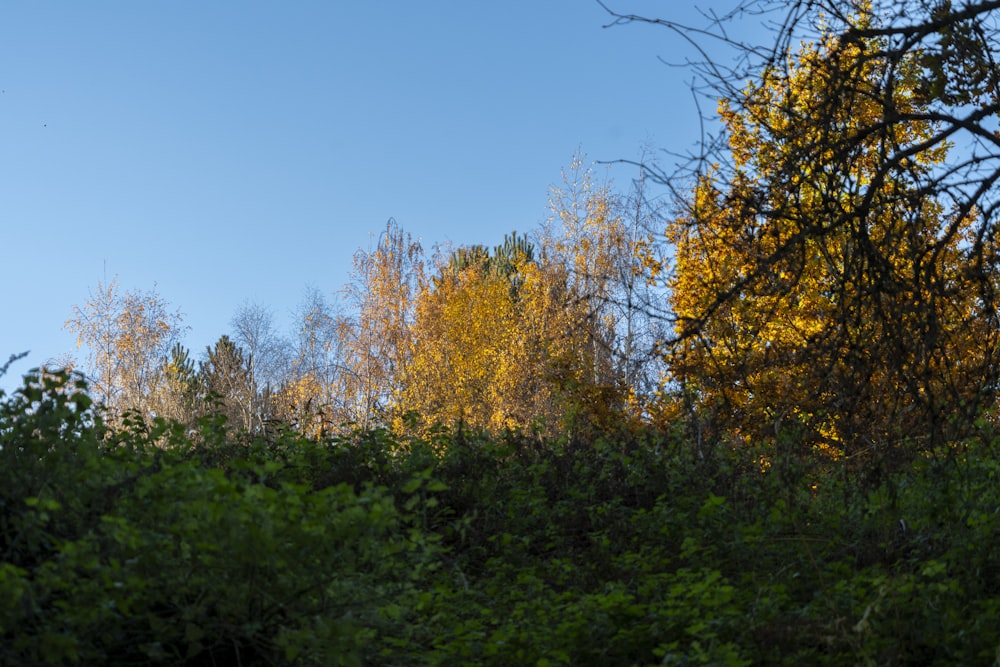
154,544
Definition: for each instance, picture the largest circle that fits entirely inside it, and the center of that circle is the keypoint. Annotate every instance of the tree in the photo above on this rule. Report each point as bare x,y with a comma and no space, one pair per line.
375,333
227,379
308,399
127,336
607,246
463,321
267,357
836,269
178,395
493,343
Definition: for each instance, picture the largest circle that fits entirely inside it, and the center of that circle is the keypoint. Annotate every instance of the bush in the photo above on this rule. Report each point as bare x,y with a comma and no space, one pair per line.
153,544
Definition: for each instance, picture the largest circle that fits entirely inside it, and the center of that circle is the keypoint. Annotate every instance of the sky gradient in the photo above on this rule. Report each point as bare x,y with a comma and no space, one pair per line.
225,152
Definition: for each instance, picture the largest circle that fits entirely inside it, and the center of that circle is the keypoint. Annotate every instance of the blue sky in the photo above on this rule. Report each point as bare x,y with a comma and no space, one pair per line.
227,151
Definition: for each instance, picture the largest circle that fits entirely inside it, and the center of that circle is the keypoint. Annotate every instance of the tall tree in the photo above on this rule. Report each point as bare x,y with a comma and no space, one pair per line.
608,244
178,396
127,335
457,349
308,399
828,275
268,357
226,378
375,331
493,344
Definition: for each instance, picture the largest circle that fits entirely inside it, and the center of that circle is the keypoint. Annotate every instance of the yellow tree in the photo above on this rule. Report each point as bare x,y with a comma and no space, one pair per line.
492,343
127,336
587,236
374,333
820,283
461,326
605,245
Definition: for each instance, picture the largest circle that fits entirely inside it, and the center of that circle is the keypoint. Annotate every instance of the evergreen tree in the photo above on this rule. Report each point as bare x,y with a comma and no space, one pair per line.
227,381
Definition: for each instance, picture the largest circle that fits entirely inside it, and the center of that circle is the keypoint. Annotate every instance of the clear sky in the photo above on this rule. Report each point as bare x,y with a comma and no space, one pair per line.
225,151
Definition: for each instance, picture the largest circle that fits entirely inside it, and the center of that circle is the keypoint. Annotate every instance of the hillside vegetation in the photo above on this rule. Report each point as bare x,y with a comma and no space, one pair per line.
158,545
753,423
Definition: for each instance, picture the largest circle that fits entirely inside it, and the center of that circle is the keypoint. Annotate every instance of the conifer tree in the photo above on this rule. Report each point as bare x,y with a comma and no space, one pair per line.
227,382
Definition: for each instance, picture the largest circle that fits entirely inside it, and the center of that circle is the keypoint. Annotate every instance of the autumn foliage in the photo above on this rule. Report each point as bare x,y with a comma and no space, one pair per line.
825,284
754,423
495,344
826,277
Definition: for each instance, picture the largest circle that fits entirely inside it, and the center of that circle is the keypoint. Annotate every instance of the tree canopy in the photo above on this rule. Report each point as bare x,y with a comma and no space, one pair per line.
836,254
